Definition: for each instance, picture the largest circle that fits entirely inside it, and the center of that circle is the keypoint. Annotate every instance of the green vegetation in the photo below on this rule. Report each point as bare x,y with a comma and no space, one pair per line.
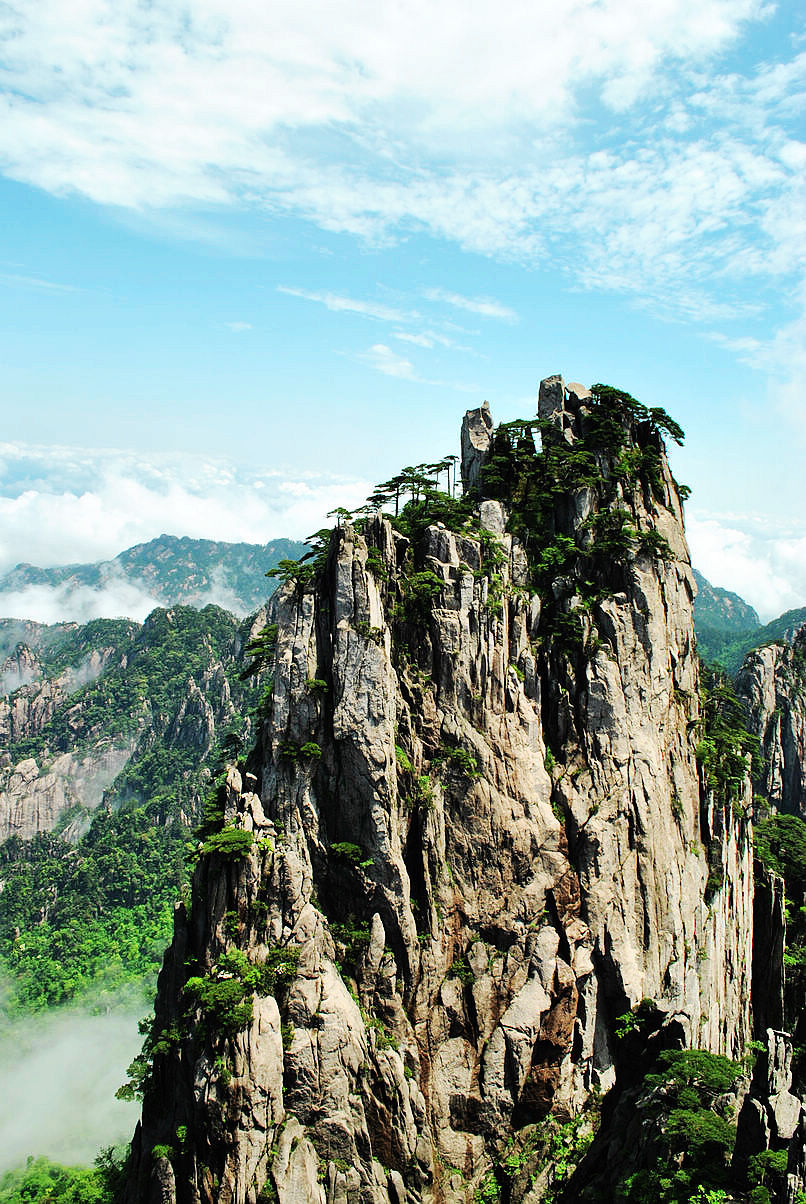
461,969
464,762
693,1129
616,458
723,621
352,939
231,842
725,744
640,1020
173,570
261,649
223,1001
94,915
98,913
172,646
728,649
46,1181
345,850
780,846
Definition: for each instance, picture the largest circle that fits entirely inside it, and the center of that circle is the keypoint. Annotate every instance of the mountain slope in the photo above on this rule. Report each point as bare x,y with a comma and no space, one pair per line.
170,570
108,750
470,840
720,617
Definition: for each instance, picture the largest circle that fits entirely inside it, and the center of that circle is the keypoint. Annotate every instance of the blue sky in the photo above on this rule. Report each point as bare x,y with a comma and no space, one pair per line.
255,258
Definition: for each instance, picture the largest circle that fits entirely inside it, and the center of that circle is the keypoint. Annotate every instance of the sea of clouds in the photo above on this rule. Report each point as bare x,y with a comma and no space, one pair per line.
62,505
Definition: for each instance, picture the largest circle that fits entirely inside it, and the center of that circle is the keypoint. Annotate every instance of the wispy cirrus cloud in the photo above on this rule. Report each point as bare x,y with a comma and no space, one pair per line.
485,307
14,280
384,359
351,305
361,124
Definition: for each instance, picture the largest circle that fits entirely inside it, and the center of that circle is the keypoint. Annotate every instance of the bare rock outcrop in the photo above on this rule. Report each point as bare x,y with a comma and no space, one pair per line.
38,799
472,834
773,682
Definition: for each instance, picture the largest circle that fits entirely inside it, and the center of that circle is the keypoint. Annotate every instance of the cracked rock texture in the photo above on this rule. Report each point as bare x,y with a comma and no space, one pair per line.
476,850
773,682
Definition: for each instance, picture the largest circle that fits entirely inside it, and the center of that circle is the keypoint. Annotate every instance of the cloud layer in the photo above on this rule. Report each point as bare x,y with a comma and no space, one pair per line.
66,505
72,505
764,565
597,125
57,1085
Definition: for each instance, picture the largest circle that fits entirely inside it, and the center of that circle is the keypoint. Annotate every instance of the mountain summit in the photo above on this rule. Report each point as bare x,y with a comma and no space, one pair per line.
471,868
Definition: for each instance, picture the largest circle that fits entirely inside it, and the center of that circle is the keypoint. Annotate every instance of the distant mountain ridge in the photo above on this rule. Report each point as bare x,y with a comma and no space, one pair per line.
728,627
177,570
172,570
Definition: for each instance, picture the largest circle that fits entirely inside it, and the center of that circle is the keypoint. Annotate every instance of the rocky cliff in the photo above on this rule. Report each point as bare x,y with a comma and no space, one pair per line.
772,680
100,697
471,849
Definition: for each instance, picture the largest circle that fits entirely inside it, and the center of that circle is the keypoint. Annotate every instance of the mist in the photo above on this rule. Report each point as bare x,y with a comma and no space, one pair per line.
115,599
58,1076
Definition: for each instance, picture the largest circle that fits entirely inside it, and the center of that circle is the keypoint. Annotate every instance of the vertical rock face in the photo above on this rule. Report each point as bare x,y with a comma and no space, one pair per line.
471,836
773,681
475,442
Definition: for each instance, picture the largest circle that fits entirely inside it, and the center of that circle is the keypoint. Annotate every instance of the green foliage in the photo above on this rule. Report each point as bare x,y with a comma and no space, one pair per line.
710,1074
767,1167
402,759
311,750
352,939
262,650
780,846
617,455
641,1020
375,564
345,850
729,649
461,969
295,571
488,1191
231,842
725,745
417,594
43,1180
163,1151
693,1131
97,914
465,762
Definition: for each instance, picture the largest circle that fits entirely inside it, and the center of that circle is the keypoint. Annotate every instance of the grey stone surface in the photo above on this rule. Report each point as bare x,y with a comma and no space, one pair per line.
513,901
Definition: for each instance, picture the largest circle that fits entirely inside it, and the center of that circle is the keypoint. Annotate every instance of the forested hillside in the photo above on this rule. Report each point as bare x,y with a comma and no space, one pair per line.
101,781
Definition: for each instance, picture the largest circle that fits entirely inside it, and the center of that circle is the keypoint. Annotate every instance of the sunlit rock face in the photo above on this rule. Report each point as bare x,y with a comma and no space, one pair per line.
471,836
773,682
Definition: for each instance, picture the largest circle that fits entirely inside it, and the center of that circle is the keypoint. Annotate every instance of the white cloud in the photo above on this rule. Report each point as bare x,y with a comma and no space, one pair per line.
746,555
487,307
34,282
76,1061
606,139
349,115
384,359
238,327
366,309
73,505
62,603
